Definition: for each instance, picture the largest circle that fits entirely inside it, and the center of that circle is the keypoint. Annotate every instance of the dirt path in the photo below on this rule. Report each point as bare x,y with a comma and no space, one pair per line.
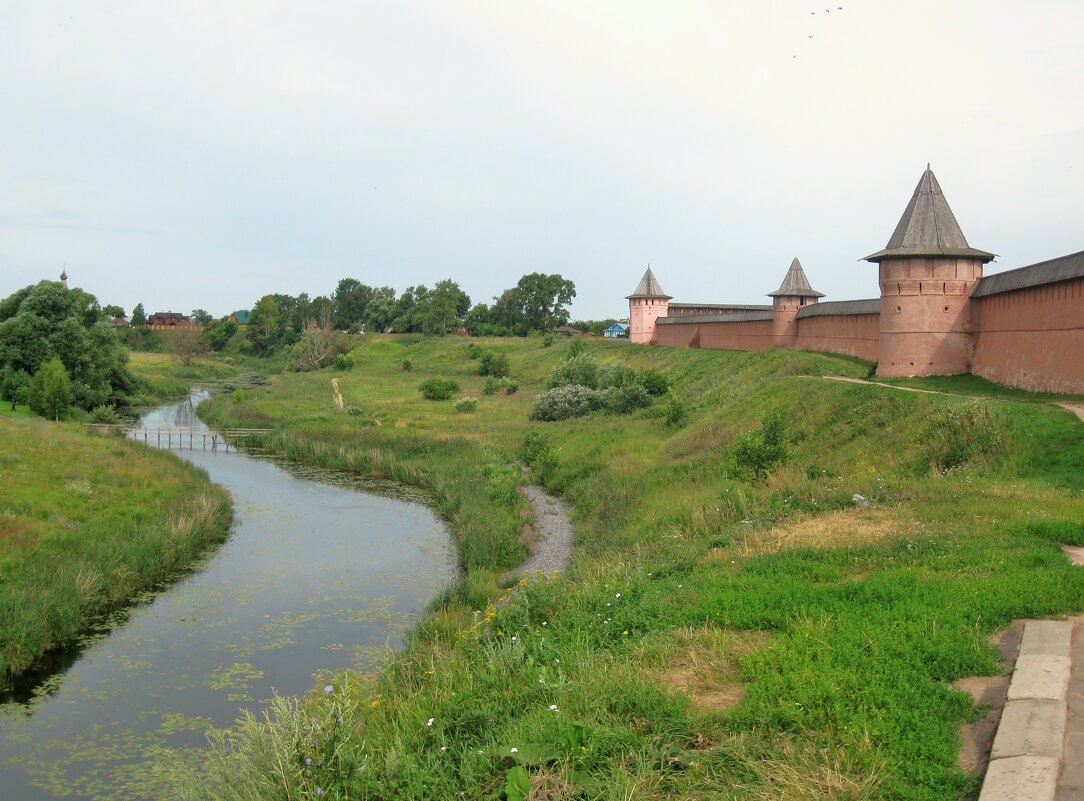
553,529
1075,408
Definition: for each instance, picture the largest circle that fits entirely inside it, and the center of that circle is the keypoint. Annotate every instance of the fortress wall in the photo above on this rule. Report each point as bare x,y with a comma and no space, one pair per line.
680,335
717,334
850,334
745,335
1032,338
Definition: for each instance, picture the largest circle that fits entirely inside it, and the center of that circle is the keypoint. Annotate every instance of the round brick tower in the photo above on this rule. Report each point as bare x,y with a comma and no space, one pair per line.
646,305
927,272
793,295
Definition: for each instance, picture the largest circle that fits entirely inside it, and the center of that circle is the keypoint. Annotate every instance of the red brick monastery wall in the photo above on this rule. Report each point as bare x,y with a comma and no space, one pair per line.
720,335
1032,338
850,334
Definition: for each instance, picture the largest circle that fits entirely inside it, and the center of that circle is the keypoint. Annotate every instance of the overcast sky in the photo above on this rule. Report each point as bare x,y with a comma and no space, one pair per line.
203,154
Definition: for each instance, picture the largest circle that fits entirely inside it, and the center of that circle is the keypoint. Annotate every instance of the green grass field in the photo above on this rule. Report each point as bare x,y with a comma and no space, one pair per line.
86,523
717,636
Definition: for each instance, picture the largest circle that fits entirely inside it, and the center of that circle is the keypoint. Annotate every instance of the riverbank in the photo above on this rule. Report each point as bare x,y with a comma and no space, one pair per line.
723,630
89,522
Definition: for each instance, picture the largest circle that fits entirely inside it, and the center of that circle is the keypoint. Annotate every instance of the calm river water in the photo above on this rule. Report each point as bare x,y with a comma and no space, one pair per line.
321,572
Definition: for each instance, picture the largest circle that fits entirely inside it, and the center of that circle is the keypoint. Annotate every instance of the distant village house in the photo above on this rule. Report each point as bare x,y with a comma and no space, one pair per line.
168,320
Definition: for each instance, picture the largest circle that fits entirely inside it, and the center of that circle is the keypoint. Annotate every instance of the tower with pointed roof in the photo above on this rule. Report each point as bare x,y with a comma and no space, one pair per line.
646,304
793,295
64,279
927,271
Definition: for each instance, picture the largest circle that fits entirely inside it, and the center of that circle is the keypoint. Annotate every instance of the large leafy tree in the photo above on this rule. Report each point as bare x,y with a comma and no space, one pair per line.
350,302
265,325
46,321
443,308
381,309
536,303
139,316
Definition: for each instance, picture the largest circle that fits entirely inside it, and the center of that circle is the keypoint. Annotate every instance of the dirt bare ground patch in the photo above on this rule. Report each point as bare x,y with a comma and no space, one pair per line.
704,665
990,691
841,529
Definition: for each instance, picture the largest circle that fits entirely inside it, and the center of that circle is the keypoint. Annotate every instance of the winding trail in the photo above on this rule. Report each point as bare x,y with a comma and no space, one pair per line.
553,547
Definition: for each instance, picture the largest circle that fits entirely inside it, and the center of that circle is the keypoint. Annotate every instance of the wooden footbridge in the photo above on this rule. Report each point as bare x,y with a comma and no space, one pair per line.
184,437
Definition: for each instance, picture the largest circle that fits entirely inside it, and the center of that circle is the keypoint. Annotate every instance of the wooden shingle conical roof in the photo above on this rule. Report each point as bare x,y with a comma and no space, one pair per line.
928,227
795,284
648,288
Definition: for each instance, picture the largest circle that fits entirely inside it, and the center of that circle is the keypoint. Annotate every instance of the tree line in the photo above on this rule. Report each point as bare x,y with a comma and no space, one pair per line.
537,303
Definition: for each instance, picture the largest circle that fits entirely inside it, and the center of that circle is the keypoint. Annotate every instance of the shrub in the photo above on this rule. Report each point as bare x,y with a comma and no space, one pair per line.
580,370
239,396
51,390
492,385
627,399
567,401
962,436
438,388
675,409
106,414
343,361
466,404
475,351
407,365
14,384
493,363
547,341
355,411
759,452
576,347
539,456
615,375
654,382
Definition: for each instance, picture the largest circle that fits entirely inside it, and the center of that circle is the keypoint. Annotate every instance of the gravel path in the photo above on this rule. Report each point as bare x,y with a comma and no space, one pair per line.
553,531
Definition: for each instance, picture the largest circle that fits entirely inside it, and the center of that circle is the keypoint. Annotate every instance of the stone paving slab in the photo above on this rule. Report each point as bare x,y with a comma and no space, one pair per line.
1030,727
1046,638
1038,752
1040,676
1023,778
1071,782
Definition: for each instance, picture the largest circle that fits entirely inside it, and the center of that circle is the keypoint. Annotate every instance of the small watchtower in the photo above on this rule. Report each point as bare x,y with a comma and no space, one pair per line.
793,295
927,271
646,304
64,279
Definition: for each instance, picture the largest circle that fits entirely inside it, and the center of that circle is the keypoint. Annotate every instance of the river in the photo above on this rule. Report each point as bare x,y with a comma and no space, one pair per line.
322,571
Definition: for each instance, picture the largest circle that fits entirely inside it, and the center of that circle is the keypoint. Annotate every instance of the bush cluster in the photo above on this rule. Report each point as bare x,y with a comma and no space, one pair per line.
759,452
493,363
438,388
962,436
466,404
577,370
561,403
344,361
539,456
493,385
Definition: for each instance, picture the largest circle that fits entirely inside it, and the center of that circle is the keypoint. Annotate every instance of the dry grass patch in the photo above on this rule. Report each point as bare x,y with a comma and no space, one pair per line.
703,664
810,773
841,529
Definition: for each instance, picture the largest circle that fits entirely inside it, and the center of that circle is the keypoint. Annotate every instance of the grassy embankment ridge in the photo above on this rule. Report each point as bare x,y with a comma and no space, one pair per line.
87,523
717,636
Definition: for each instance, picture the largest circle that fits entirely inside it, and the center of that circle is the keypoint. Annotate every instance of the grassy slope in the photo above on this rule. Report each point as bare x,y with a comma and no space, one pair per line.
842,625
87,522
